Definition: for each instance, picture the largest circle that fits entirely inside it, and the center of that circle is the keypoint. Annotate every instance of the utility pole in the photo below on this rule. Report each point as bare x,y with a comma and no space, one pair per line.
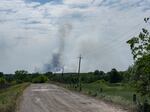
62,71
79,77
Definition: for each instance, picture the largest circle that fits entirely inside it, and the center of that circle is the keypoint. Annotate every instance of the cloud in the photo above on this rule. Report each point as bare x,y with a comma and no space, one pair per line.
77,1
45,1
29,32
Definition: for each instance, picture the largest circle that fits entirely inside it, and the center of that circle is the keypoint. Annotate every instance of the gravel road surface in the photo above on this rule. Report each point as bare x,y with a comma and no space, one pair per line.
51,98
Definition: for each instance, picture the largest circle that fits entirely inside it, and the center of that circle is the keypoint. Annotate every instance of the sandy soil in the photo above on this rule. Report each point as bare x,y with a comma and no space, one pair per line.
51,98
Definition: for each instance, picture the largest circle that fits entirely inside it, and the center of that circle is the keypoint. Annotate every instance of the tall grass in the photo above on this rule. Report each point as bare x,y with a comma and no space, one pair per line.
121,94
9,96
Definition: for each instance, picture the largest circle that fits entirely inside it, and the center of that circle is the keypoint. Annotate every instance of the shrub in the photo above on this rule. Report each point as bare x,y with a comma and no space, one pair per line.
2,81
114,76
40,79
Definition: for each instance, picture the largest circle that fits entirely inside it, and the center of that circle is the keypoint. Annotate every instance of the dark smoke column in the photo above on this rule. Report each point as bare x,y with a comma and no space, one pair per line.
56,63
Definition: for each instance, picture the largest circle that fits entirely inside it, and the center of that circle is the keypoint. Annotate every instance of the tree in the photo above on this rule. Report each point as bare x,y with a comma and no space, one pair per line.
21,76
1,74
96,72
127,75
101,73
140,47
48,74
114,76
142,72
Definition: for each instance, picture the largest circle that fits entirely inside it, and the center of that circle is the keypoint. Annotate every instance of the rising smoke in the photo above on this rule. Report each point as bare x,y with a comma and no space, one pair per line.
56,63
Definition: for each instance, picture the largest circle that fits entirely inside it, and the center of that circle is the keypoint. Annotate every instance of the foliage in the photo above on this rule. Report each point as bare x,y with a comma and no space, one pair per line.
40,79
114,76
140,47
48,74
9,78
21,76
127,75
142,75
1,74
96,72
73,78
2,81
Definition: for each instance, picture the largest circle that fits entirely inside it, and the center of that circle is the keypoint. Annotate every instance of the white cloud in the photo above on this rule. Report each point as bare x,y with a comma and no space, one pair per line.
79,2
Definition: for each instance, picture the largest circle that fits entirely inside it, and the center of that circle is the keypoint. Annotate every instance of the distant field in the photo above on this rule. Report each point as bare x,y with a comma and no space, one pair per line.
117,93
8,97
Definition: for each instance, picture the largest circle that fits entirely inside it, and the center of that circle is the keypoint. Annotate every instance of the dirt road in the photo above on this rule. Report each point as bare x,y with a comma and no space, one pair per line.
51,98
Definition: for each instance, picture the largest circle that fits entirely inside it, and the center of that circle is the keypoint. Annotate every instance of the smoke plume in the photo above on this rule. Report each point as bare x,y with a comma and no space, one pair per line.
56,63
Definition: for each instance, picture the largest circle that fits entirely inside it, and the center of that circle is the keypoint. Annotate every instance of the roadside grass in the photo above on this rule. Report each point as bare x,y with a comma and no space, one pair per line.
9,96
120,94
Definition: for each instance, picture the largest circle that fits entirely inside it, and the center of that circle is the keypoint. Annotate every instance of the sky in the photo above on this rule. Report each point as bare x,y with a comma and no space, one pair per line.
32,31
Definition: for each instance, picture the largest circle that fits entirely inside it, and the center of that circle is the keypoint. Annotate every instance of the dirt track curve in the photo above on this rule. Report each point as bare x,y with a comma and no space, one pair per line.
51,98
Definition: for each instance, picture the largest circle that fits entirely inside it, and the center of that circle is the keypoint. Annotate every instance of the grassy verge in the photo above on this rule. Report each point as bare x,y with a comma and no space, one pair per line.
119,94
9,96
